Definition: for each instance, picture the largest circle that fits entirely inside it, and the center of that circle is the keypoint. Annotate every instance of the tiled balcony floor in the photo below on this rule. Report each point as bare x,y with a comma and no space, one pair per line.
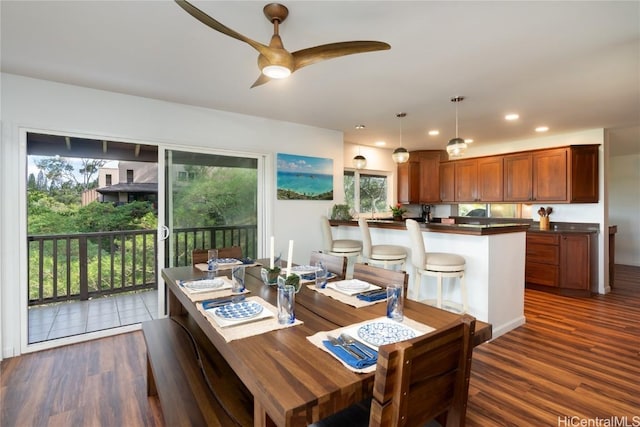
48,322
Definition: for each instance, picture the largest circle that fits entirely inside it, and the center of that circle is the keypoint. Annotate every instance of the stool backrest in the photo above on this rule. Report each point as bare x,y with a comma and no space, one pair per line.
366,237
327,236
418,257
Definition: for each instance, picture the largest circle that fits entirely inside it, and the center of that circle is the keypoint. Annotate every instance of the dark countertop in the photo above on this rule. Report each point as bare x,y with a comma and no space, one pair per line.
471,229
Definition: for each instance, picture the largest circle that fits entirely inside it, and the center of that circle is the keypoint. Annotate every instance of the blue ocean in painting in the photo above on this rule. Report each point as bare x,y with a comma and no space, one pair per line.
310,184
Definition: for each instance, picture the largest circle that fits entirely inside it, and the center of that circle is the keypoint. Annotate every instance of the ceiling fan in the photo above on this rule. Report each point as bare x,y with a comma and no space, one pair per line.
274,60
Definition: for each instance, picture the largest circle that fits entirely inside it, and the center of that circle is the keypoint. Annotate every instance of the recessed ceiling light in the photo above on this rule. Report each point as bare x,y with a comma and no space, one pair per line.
512,116
380,143
359,127
468,141
434,132
542,128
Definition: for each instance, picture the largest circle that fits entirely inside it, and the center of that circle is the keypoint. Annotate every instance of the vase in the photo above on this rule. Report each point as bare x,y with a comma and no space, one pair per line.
269,276
544,223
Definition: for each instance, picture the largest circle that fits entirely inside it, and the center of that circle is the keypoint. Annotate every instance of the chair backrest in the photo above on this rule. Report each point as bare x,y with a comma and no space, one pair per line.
201,256
327,236
380,276
418,257
335,264
424,378
366,237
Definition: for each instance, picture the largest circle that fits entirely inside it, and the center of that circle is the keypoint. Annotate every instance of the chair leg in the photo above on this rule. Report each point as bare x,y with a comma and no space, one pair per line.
463,293
439,290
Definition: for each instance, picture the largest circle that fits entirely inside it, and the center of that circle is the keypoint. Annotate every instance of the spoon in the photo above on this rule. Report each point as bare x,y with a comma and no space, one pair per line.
335,342
349,340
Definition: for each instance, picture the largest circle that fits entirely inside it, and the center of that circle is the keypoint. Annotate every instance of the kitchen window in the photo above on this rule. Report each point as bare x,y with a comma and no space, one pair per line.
492,210
366,192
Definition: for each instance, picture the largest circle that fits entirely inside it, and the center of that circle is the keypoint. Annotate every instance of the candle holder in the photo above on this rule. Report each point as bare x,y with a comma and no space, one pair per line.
270,275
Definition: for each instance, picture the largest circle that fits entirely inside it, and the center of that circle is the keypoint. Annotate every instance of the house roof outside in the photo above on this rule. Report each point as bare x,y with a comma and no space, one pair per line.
132,187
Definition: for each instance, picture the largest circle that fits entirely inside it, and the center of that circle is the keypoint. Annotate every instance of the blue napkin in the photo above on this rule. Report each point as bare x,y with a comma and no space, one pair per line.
344,355
312,276
374,297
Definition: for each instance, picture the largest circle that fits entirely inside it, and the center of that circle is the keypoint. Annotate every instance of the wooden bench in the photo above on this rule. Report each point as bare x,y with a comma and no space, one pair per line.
195,385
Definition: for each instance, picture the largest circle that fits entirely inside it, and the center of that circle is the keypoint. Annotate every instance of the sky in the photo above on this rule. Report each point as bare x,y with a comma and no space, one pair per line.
304,164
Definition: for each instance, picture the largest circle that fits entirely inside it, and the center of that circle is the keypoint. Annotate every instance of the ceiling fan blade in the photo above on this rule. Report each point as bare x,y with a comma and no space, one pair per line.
210,22
262,79
309,56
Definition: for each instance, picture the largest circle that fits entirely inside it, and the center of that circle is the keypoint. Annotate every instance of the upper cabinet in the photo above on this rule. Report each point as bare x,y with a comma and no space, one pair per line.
557,175
419,178
561,175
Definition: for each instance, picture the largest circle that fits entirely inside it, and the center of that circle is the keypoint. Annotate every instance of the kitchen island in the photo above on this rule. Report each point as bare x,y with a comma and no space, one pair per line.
495,264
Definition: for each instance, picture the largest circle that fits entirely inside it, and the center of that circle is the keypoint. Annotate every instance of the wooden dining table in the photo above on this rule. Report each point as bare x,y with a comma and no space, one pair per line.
293,382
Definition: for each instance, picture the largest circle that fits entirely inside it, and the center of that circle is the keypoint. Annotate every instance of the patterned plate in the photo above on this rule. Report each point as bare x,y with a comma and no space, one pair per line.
239,310
200,285
380,333
228,261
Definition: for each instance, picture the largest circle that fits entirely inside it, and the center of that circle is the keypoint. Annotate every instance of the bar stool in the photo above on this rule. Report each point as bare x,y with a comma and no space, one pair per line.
385,255
436,264
340,247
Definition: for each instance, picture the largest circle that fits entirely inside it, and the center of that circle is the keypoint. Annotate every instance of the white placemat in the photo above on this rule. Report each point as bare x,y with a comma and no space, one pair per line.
223,291
205,267
317,338
351,300
249,329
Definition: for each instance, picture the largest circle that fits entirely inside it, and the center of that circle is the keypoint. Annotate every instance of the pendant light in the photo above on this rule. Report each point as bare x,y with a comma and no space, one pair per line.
456,146
359,161
400,154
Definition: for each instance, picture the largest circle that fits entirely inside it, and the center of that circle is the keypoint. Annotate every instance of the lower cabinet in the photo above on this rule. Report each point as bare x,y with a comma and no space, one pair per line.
562,262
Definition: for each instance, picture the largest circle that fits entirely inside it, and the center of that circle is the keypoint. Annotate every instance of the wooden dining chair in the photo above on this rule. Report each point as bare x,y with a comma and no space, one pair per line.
335,264
201,256
418,381
380,276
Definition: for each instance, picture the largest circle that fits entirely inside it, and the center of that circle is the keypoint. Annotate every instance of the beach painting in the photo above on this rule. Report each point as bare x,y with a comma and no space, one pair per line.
304,178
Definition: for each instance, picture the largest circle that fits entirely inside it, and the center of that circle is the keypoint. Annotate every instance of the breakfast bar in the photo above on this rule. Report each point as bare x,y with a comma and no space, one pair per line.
495,263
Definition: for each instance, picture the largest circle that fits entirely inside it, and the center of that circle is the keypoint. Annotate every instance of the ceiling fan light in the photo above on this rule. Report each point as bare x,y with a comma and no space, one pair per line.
400,155
456,147
359,162
276,71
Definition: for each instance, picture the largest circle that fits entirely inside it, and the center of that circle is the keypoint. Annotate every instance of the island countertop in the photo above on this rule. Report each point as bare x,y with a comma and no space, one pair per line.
471,229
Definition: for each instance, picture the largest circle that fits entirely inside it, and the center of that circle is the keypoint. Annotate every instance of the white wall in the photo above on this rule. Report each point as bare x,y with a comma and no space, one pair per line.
47,106
624,206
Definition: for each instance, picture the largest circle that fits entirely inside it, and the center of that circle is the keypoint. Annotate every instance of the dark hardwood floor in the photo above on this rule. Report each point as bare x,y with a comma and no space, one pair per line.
575,357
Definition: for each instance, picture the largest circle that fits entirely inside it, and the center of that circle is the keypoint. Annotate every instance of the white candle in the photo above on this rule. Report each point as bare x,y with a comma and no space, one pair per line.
289,256
271,254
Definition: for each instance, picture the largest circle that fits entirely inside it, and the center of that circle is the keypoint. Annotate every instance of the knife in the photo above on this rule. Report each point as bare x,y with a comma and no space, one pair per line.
213,303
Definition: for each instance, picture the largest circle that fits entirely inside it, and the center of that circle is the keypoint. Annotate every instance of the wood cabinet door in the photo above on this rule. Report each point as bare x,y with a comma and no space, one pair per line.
490,179
575,268
518,177
430,178
584,174
447,182
409,182
550,175
466,180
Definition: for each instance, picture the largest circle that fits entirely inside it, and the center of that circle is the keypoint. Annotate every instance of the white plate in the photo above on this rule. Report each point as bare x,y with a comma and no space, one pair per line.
201,285
304,269
380,333
352,286
239,310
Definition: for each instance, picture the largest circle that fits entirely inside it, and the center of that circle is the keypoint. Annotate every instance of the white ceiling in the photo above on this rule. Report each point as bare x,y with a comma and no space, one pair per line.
565,64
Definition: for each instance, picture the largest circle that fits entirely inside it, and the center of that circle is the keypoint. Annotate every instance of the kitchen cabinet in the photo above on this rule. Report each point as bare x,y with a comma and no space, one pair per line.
560,175
563,262
419,178
490,179
466,180
409,182
447,182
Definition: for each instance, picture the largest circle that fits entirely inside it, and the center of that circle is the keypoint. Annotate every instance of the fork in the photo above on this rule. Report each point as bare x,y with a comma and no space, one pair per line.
349,340
335,342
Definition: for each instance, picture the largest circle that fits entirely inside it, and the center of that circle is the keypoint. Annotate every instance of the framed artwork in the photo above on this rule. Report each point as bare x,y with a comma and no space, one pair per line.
304,178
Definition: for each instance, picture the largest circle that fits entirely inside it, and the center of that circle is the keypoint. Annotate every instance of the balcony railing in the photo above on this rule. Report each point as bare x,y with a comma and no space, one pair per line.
65,267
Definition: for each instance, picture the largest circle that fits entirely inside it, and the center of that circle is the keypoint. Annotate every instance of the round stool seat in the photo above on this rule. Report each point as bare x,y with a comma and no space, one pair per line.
440,261
346,245
388,252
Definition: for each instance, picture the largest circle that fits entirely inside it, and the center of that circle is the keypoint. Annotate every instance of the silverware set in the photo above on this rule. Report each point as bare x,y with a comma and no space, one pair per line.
352,346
